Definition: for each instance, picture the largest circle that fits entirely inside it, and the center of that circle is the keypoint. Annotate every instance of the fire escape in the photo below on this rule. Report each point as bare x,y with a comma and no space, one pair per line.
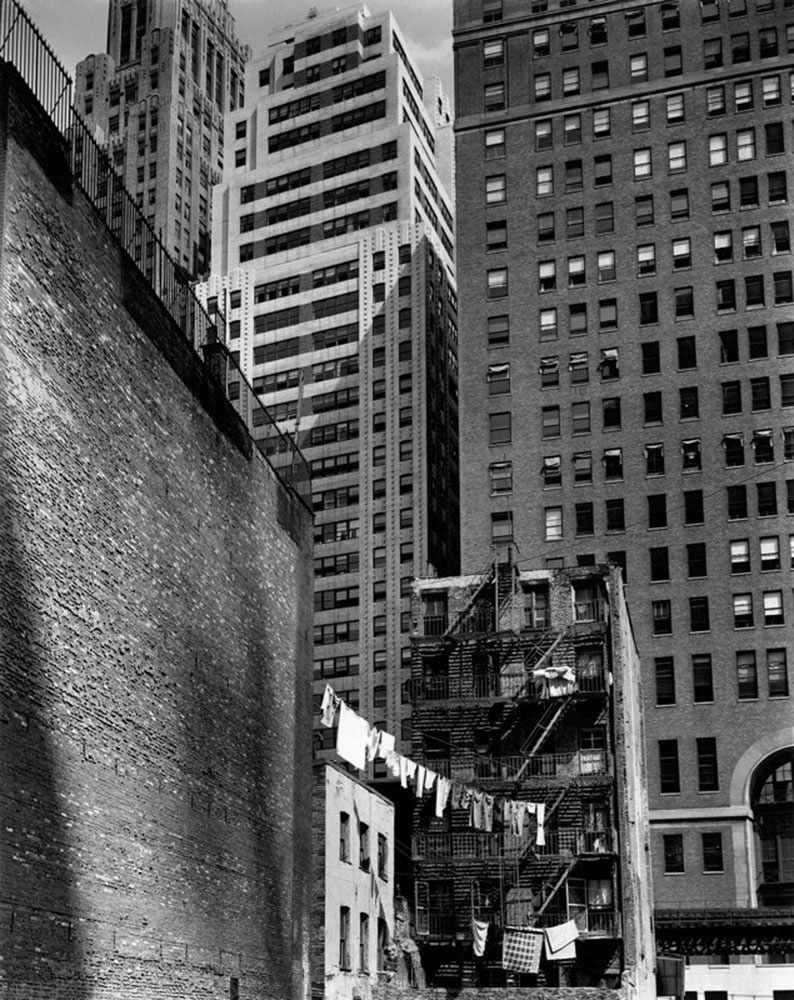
511,697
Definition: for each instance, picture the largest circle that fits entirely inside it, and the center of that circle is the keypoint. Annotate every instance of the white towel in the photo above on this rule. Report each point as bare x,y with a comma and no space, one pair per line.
560,941
479,930
443,786
540,813
351,737
420,781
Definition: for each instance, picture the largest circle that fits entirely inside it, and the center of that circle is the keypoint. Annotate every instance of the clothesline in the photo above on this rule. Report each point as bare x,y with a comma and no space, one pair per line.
358,742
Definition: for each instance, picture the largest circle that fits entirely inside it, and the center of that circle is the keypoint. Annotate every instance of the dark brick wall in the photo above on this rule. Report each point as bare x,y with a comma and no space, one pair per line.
154,637
503,993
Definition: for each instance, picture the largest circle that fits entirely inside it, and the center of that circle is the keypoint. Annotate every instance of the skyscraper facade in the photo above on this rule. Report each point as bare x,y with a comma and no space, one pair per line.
157,98
627,378
333,242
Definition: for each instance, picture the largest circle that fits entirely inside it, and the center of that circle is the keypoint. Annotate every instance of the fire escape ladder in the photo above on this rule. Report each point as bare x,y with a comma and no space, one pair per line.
553,801
487,577
551,716
555,886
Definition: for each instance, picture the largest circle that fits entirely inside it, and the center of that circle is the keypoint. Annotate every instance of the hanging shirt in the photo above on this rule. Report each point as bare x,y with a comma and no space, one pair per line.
328,707
487,813
443,786
386,746
351,737
475,810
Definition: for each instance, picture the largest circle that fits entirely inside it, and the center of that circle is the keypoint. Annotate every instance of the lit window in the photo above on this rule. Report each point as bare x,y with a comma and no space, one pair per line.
718,150
745,144
553,523
642,163
495,189
676,156
497,283
544,181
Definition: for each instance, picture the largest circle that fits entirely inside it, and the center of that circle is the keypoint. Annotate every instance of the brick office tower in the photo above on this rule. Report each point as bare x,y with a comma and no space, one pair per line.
485,717
333,238
157,97
626,356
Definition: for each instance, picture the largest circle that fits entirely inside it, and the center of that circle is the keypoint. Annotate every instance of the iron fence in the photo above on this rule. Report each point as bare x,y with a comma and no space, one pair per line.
22,45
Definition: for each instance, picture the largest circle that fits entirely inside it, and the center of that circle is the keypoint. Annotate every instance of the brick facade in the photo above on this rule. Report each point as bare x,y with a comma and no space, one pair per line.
155,609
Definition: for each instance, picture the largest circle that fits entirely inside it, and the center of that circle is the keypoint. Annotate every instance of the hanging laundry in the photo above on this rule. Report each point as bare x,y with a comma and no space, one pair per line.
328,707
518,811
393,763
420,781
540,815
521,949
560,941
457,792
373,742
479,930
475,810
487,813
430,779
443,786
465,797
386,746
412,768
507,813
351,737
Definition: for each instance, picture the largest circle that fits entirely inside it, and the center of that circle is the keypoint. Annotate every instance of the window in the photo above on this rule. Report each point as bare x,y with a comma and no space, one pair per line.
599,72
715,101
718,149
665,680
544,181
344,937
615,515
601,123
712,852
576,272
548,324
495,189
763,446
494,143
729,346
597,30
770,91
553,523
743,611
551,472
570,81
500,428
546,233
774,141
574,223
773,607
770,552
609,365
657,510
542,85
702,682
687,352
720,197
660,563
682,254
580,418
654,459
784,291
696,559
726,296
543,134
754,291
740,555
607,314
740,48
363,942
604,217
638,67
611,411
766,494
777,188
743,96
691,455
498,331
494,97
547,275
383,857
497,283
573,175
745,144
737,502
501,527
344,837
693,507
635,20
651,357
787,390
652,407
673,844
785,339
699,620
748,192
643,210
642,163
777,673
712,53
746,675
646,259
673,61
540,43
501,477
751,242
498,378
676,156
649,308
767,42
550,426
495,235
688,402
582,467
613,464
781,241
572,129
602,170
585,522
493,53
668,766
761,398
708,775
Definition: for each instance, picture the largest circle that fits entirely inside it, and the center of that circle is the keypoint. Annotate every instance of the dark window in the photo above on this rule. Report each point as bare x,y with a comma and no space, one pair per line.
746,675
693,507
657,510
708,775
649,308
699,620
651,359
652,407
673,853
712,852
668,766
737,502
687,353
702,681
696,559
615,515
659,563
665,680
729,346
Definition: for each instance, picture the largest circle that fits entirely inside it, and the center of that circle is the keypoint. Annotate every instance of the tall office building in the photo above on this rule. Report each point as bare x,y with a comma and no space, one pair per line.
157,99
627,378
332,239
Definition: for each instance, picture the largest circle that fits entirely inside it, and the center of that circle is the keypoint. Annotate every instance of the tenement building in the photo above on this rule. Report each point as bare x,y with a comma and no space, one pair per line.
157,99
627,359
528,703
332,241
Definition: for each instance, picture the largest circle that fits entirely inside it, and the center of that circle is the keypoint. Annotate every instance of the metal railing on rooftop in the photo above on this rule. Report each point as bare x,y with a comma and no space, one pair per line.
23,46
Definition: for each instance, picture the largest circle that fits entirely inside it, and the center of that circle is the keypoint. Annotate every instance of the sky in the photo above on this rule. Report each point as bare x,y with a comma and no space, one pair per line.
76,28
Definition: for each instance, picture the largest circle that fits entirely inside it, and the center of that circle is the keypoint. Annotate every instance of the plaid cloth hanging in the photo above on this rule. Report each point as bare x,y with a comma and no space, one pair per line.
522,948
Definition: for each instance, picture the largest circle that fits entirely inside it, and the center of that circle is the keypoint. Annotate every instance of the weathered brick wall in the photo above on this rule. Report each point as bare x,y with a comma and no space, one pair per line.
386,992
155,617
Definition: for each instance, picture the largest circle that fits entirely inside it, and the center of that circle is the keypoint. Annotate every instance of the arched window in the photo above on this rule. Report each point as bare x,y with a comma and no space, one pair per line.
773,810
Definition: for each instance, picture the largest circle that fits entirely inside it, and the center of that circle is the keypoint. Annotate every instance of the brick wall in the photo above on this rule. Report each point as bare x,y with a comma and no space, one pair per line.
155,616
503,993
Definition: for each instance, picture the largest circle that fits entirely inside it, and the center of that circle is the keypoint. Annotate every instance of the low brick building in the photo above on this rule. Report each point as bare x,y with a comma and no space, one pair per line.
155,616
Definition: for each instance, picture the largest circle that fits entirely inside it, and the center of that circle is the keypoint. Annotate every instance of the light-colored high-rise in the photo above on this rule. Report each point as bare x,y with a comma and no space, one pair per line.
332,252
157,99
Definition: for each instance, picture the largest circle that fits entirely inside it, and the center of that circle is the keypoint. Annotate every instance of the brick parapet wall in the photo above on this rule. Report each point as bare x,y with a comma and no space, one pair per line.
386,992
155,634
